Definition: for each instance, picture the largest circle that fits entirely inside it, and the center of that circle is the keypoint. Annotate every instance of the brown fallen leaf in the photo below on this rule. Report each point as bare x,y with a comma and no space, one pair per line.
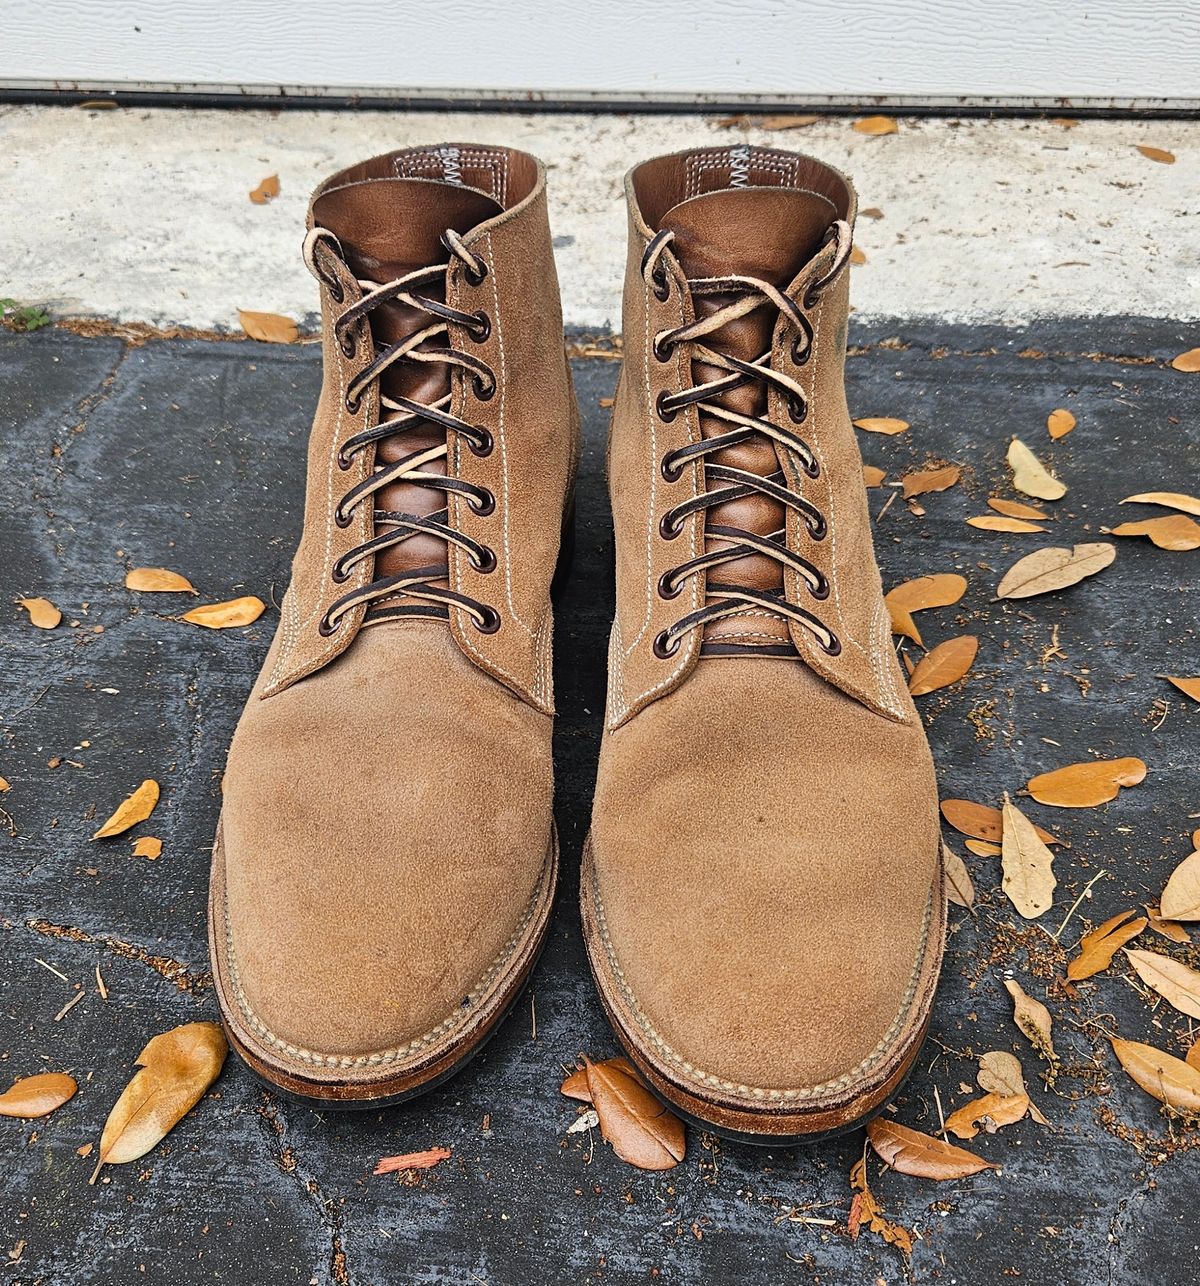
148,846
1181,897
912,1152
157,580
640,1129
1030,476
266,191
865,1209
4,785
1033,1019
875,126
1097,948
857,256
42,612
271,328
1172,979
1054,568
1086,785
1193,1056
34,1096
1000,1073
982,822
576,1086
873,477
944,665
1018,526
927,480
131,810
1168,499
224,616
881,424
959,888
989,1113
1027,863
871,212
982,848
1173,531
1188,362
1159,154
1060,422
1168,1079
1189,687
942,590
1015,509
411,1161
176,1069
1172,930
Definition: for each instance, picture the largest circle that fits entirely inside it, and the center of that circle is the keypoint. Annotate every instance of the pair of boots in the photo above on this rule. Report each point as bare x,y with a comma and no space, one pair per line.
761,890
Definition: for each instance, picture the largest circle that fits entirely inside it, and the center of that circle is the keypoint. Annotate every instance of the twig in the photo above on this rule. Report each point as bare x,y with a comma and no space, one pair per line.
533,1012
53,970
1075,905
941,1115
886,507
100,987
66,1009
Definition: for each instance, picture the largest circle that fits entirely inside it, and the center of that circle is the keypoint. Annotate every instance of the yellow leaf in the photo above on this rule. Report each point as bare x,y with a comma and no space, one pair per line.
1098,947
946,664
991,1111
865,1209
918,484
881,424
959,888
873,477
1015,509
1174,531
177,1067
857,256
1027,863
1172,979
983,847
640,1129
942,590
912,1152
1060,422
1053,567
224,616
1181,897
42,612
1018,526
157,580
148,846
1033,1018
1030,476
136,808
35,1096
1161,155
269,327
1169,499
1189,687
876,125
1188,362
1168,1079
1088,784
1193,1056
266,191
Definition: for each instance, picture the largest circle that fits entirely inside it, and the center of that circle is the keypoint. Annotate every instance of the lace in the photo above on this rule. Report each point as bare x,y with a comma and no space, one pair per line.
751,293
393,527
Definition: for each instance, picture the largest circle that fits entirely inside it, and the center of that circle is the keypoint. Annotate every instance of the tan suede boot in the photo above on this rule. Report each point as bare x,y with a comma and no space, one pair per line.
762,895
385,862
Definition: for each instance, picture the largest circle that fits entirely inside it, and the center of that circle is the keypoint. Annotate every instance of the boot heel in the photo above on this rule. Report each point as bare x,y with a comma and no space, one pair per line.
566,552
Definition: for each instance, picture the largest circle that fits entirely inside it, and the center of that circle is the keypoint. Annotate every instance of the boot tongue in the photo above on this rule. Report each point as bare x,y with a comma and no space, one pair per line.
769,233
389,227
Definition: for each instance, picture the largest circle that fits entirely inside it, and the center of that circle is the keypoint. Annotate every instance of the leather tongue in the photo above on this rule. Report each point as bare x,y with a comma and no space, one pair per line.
390,227
769,233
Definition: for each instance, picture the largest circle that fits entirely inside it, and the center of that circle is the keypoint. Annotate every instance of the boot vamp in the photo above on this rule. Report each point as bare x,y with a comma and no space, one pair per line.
385,825
765,850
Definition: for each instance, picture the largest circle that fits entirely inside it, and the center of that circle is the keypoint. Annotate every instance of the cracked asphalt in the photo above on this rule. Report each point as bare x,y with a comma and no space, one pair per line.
189,454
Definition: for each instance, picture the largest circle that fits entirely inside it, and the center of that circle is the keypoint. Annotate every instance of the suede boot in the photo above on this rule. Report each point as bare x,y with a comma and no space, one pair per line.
385,862
762,890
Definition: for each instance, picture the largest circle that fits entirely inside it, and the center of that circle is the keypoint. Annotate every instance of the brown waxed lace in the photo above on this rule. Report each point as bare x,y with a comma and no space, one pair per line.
394,527
751,293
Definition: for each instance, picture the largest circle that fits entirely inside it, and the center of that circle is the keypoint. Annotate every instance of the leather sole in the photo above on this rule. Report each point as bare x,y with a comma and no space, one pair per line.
792,1117
375,1081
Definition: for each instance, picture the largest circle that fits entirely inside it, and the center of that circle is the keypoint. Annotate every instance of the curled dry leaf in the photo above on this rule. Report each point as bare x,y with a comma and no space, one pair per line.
1159,154
1172,979
1000,1073
1087,784
1172,930
576,1086
1030,476
1168,1079
981,822
857,256
1189,687
918,595
1193,1056
641,1130
1060,422
1033,1019
224,616
865,1209
959,888
176,1069
983,848
131,810
1173,531
149,846
1027,863
912,1152
271,328
1181,897
157,580
881,424
1054,568
1188,362
988,1113
1168,499
926,480
1015,509
42,612
1018,526
411,1161
35,1096
266,191
946,664
875,126
1097,948
873,477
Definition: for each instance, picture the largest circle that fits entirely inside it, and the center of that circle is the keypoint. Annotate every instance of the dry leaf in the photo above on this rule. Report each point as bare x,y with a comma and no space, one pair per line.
1060,422
1168,1079
42,612
1158,154
1087,784
1033,1018
1168,499
1054,568
1193,1056
1029,474
1097,948
918,484
875,125
4,785
1172,531
912,1152
983,847
1000,1073
411,1161
981,822
224,616
1181,897
991,1112
35,1096
865,1209
986,522
881,424
1172,979
269,327
641,1130
797,120
176,1069
157,580
1189,687
959,888
1015,509
266,191
946,664
1188,362
1027,863
148,846
576,1086
133,809
1172,930
873,477
918,595
857,256
871,212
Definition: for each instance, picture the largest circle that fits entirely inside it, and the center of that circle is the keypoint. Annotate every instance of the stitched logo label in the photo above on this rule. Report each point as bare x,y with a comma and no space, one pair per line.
451,159
739,166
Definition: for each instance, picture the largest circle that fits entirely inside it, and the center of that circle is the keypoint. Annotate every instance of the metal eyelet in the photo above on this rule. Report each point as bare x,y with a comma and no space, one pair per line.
811,298
339,575
661,286
668,468
345,461
352,404
798,414
336,293
817,528
348,346
484,391
833,647
668,529
820,591
800,355
324,629
475,277
482,328
663,347
663,648
483,444
491,620
486,562
811,467
667,587
483,504
343,520
665,413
